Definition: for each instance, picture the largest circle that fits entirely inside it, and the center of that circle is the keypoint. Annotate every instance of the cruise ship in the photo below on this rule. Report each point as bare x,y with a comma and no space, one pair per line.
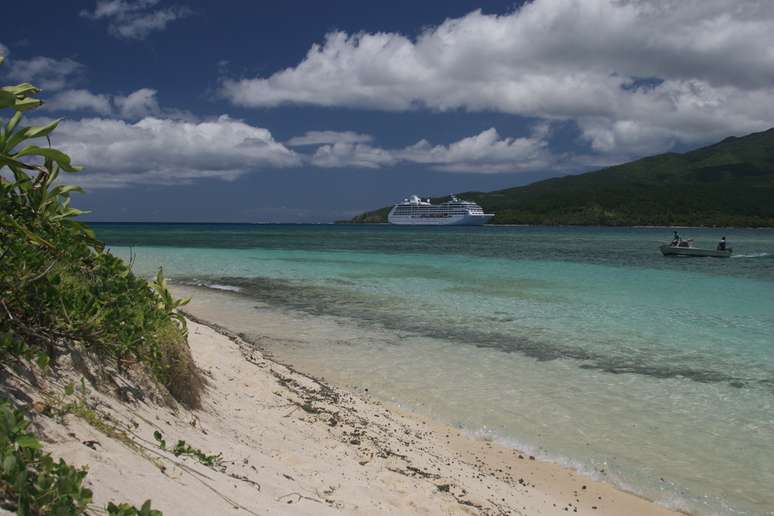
416,212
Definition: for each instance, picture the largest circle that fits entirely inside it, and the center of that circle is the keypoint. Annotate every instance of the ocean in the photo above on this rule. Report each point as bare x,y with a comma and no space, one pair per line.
582,346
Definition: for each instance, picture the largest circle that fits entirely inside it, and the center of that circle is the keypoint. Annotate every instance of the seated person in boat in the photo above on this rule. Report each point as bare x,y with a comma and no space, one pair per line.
722,244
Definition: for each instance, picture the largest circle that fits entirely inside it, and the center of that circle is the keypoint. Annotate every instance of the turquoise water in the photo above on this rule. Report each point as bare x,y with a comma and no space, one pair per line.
583,345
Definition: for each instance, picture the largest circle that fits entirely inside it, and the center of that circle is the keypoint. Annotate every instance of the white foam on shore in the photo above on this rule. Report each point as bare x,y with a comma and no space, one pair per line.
667,496
218,286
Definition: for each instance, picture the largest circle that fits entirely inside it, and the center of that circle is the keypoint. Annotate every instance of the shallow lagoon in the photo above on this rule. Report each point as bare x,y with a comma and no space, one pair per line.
583,345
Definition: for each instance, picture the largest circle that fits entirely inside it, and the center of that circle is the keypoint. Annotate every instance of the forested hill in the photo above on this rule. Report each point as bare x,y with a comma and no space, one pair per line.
730,183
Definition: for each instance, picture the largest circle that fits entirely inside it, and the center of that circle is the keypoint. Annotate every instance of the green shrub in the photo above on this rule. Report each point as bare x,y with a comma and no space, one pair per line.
32,482
58,285
125,509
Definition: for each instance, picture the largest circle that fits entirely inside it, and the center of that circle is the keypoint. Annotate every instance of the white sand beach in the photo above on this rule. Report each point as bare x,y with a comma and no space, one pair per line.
291,444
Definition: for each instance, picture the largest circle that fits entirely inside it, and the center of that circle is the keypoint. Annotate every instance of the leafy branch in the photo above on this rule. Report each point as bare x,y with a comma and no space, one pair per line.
182,448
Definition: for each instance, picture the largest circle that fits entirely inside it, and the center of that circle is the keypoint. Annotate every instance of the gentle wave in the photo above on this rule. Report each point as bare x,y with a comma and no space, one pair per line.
218,286
669,495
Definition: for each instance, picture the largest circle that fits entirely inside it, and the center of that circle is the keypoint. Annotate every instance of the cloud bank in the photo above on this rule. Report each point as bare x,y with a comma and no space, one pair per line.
163,151
157,150
486,152
635,76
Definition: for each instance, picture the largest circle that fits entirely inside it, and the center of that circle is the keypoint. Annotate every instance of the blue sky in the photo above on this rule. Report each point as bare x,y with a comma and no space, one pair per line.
313,111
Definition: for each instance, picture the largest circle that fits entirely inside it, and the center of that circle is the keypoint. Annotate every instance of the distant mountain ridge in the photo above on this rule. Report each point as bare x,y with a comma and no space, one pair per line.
730,183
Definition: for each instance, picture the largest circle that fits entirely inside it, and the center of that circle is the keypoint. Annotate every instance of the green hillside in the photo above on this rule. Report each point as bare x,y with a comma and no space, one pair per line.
730,183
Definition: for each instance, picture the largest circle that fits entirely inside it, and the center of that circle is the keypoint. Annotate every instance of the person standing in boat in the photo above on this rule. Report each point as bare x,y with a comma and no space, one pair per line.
675,239
722,244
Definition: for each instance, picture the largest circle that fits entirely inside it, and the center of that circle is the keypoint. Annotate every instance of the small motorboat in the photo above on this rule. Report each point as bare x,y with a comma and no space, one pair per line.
686,248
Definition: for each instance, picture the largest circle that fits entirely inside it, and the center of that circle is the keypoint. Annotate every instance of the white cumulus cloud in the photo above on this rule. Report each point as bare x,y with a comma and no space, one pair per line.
323,137
486,152
157,150
135,20
635,75
165,151
359,155
134,106
138,104
79,100
45,72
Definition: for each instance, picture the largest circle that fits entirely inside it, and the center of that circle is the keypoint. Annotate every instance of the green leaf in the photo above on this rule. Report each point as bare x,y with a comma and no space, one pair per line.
24,88
7,99
10,162
70,212
160,439
27,103
69,389
43,130
9,465
11,125
65,189
42,359
32,237
56,155
146,510
12,140
28,441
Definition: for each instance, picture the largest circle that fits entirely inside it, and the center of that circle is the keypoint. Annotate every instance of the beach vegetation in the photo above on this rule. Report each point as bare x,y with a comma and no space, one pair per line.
182,448
124,509
32,482
73,401
59,286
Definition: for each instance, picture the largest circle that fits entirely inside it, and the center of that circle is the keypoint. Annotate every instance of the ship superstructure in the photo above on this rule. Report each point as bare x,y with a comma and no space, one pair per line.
414,211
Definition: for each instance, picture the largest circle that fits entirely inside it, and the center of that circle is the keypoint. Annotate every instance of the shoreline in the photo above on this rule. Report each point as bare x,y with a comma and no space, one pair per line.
290,443
464,442
270,329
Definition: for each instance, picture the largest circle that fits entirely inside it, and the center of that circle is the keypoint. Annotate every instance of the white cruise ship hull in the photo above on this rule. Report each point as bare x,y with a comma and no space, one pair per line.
452,220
